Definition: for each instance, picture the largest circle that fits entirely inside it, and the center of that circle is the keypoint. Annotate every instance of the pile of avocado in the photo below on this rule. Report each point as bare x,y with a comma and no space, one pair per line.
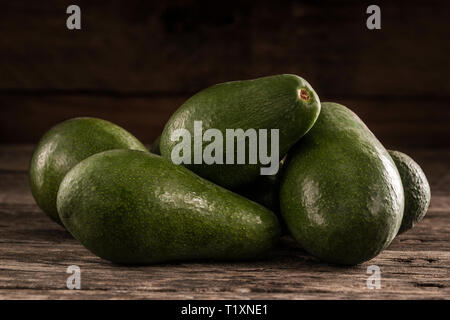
339,193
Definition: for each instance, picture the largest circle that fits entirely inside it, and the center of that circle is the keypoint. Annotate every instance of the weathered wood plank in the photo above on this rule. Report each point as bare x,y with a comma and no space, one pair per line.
35,253
141,46
15,157
288,273
14,189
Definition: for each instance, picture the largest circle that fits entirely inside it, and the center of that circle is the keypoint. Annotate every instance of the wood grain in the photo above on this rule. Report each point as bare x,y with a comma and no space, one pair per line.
35,253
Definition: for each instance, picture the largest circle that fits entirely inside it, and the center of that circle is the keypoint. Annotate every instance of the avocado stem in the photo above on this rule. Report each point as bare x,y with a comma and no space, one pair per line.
303,94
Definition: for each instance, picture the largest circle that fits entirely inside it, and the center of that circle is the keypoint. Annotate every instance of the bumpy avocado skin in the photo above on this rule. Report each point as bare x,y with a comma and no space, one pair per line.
341,195
66,144
137,208
416,189
266,103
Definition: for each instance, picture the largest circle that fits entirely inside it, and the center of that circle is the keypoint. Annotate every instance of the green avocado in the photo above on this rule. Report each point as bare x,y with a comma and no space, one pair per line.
284,102
66,144
265,190
138,208
340,194
416,188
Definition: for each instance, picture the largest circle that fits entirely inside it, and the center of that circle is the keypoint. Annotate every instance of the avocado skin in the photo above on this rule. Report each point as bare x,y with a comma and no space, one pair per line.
264,103
154,148
416,189
265,190
66,144
341,195
137,208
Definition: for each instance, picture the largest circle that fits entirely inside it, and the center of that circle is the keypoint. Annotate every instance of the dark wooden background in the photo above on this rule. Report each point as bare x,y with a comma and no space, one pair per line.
134,62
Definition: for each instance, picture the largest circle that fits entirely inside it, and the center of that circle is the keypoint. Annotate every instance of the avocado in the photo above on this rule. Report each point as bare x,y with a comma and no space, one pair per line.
154,148
134,207
66,144
283,102
265,190
340,193
416,189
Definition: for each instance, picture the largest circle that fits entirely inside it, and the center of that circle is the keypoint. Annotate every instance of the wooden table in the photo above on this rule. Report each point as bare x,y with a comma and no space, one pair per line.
35,254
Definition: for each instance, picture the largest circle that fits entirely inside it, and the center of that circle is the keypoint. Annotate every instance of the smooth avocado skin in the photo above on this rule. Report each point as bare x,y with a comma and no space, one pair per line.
138,208
341,195
416,189
66,144
285,102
